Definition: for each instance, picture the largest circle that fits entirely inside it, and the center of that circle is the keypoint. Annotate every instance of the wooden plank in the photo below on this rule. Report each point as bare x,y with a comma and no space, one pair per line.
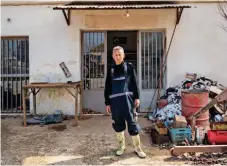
71,93
222,96
27,95
37,91
52,85
81,100
215,90
34,100
218,109
200,148
76,107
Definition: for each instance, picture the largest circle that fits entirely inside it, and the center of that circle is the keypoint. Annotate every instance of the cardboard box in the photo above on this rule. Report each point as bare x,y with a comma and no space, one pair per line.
161,130
179,122
191,76
158,138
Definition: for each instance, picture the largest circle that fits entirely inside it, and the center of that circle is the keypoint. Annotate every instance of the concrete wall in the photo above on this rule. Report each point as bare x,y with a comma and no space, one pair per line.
199,44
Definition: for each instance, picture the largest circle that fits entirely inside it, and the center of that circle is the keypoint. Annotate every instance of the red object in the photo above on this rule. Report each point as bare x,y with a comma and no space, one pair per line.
162,103
193,101
217,137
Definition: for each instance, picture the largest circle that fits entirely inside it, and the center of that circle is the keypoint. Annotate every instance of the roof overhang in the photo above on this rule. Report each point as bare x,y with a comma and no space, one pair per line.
120,5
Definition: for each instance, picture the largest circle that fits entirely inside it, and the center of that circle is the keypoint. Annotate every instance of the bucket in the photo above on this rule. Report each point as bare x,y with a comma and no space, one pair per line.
193,101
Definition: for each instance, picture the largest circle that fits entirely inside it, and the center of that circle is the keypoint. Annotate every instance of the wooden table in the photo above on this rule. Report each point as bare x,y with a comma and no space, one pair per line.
34,88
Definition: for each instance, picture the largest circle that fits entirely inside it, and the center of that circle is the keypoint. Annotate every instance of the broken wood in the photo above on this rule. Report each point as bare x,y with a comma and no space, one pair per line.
215,90
218,109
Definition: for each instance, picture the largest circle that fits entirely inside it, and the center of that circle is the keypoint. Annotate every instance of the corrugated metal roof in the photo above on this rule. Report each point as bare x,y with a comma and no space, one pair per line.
123,6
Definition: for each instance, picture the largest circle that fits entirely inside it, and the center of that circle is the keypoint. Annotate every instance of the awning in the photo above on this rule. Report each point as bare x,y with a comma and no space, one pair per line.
120,5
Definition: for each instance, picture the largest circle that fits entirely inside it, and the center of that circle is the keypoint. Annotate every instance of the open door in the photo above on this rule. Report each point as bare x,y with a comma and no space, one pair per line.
94,70
151,51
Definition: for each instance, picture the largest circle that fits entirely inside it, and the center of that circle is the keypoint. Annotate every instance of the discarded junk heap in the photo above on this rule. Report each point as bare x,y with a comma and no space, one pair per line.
171,118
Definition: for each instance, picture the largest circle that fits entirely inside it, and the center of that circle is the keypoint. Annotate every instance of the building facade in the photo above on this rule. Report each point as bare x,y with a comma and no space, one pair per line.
36,39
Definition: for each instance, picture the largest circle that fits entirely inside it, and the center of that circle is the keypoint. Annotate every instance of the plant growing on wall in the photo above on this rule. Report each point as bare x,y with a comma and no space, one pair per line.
222,7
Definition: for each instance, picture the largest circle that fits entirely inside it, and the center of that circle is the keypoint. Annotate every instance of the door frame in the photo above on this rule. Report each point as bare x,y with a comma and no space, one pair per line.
139,56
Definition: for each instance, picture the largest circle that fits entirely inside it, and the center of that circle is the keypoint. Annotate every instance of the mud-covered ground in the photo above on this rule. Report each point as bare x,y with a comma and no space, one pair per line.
93,142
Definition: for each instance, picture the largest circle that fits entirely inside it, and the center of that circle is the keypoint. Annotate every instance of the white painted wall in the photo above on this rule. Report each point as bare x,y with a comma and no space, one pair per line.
199,44
51,42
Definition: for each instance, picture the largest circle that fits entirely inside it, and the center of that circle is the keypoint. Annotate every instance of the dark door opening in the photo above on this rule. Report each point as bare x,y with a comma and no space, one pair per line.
125,39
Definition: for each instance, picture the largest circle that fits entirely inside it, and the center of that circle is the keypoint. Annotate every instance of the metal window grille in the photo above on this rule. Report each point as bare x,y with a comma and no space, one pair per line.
14,73
93,60
152,50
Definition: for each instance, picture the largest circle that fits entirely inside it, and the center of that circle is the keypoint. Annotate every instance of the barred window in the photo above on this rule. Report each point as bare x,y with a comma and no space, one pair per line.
14,72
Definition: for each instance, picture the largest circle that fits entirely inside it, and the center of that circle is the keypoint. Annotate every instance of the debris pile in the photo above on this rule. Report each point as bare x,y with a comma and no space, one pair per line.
196,99
173,97
89,111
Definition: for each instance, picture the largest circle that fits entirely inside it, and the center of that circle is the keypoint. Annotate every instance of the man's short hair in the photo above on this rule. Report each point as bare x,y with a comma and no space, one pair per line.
119,48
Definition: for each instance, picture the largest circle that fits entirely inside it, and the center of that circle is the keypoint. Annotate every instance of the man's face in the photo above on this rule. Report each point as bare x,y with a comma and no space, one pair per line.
118,56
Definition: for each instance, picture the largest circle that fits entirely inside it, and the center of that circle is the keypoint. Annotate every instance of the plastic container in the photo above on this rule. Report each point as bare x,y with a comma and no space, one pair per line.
217,137
179,134
58,116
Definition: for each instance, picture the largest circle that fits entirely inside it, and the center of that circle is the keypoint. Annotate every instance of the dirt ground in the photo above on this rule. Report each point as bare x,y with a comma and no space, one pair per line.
93,142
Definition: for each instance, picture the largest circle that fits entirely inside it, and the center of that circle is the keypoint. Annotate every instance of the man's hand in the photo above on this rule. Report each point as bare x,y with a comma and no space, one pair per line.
136,103
108,110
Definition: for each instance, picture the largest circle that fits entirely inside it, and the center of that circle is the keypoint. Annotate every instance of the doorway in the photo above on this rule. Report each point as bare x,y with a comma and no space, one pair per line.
97,58
144,49
125,39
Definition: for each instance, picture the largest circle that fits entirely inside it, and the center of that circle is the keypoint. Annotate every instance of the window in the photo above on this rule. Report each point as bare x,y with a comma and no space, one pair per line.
14,73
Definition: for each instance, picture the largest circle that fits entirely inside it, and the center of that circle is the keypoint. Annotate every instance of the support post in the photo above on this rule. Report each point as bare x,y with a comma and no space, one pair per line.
81,99
179,13
67,16
34,100
24,107
76,107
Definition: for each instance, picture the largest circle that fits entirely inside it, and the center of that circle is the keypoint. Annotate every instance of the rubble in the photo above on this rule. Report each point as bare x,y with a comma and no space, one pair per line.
173,96
89,111
210,159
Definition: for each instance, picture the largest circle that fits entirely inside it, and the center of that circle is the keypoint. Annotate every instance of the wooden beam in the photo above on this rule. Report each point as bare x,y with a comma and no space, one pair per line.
34,100
67,16
222,96
37,91
71,93
76,108
178,150
24,107
27,95
218,109
81,99
215,90
179,13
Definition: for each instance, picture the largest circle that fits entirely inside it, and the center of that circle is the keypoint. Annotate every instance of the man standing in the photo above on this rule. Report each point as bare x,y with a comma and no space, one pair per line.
121,97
